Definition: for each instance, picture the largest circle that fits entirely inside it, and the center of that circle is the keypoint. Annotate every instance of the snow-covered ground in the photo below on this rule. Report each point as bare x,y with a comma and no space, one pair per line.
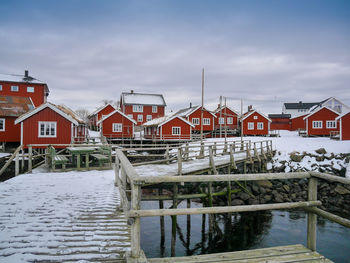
4,154
59,217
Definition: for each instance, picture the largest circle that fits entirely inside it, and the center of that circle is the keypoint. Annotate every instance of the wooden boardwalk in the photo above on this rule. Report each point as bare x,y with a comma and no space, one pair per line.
293,253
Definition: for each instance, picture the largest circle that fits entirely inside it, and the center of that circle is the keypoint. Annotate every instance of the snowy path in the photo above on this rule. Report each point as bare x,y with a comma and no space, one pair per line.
59,217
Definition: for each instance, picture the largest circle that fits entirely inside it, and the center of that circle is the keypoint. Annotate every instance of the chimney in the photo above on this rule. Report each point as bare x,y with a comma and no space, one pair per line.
26,74
250,107
132,91
190,104
300,102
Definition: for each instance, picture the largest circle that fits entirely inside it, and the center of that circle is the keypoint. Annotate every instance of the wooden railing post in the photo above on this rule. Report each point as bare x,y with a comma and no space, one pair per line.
211,160
116,167
225,148
30,158
179,161
187,152
17,164
135,226
214,149
167,156
311,217
232,158
234,146
201,152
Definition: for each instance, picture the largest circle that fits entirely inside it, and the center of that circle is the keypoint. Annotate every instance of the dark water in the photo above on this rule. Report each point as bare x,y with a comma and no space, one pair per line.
241,232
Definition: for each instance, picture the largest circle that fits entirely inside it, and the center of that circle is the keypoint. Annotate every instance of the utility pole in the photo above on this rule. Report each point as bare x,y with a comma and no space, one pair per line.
241,122
220,107
202,148
225,121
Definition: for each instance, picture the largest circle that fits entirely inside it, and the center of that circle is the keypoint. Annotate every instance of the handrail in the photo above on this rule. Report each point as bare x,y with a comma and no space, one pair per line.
10,160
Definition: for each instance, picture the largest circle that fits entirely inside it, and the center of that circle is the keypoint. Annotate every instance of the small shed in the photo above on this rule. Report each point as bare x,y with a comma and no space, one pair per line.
298,123
280,121
98,114
117,125
168,128
255,123
51,124
344,126
321,122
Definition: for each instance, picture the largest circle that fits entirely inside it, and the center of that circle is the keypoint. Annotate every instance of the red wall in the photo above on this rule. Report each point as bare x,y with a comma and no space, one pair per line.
322,115
166,131
206,114
230,113
264,131
127,131
107,110
12,132
31,128
298,123
38,97
280,124
345,127
147,110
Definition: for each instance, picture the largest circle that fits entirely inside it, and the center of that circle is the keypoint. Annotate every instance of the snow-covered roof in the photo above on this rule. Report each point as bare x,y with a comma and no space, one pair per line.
315,111
247,114
342,115
113,112
223,108
101,108
188,111
133,98
59,109
163,120
19,78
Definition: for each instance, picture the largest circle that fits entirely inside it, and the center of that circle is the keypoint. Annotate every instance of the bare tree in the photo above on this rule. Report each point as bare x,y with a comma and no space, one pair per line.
83,114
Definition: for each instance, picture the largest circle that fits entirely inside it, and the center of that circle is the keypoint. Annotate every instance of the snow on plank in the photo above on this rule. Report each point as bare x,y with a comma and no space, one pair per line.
55,217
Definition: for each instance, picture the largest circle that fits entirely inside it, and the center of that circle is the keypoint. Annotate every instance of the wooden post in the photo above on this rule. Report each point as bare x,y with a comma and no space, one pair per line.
179,161
211,160
116,168
187,150
167,156
261,147
22,162
214,148
232,159
135,227
162,232
225,148
234,146
17,164
188,232
30,159
201,152
311,217
173,222
46,156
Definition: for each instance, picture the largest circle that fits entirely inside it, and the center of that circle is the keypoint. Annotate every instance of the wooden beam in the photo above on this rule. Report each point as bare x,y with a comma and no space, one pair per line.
329,177
311,217
329,216
220,209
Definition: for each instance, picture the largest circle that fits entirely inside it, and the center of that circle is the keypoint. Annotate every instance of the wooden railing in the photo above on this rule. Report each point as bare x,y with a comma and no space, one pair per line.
129,181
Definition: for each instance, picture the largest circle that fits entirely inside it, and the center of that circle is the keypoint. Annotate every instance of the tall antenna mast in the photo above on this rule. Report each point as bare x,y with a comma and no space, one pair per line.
202,106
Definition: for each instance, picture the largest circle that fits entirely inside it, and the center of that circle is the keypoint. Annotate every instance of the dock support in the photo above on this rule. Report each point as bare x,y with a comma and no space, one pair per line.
311,217
162,232
173,222
17,164
135,227
30,159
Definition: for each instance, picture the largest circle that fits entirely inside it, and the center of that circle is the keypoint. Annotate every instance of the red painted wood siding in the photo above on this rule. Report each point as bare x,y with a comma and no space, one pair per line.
127,128
280,124
229,113
12,132
206,114
298,123
38,97
31,128
345,127
255,131
322,115
147,110
107,110
165,132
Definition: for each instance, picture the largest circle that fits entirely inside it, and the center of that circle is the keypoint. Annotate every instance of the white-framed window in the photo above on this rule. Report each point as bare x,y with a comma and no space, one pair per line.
137,108
176,130
317,124
229,120
140,118
154,109
206,121
0,87
47,129
195,121
130,116
250,125
117,127
331,124
30,89
221,120
255,117
14,88
2,124
260,125
149,117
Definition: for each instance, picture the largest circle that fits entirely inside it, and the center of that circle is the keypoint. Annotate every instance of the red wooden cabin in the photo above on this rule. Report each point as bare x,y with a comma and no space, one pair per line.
321,122
193,115
142,107
51,124
255,123
10,109
24,86
344,126
117,125
168,128
298,123
226,118
98,114
280,121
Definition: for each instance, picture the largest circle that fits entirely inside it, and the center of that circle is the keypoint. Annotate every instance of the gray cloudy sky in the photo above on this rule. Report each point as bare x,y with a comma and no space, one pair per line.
266,52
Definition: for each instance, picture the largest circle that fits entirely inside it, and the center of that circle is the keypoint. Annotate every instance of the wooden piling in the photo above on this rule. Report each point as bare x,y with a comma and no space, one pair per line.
30,159
135,227
311,217
17,164
173,222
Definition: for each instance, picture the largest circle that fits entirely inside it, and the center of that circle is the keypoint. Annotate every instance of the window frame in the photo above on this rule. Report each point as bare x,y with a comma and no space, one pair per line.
148,117
140,118
131,116
47,123
117,127
250,125
0,87
3,120
230,120
260,124
137,108
30,87
221,120
206,120
12,88
174,129
331,127
154,109
195,122
314,126
255,117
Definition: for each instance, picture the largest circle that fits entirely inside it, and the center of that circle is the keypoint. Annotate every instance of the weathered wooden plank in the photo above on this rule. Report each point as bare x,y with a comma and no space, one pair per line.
329,216
219,209
329,177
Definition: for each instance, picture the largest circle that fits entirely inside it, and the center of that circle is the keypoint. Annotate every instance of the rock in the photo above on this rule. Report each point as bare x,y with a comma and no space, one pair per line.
286,188
296,157
255,189
321,151
264,183
341,190
237,202
267,198
320,158
243,196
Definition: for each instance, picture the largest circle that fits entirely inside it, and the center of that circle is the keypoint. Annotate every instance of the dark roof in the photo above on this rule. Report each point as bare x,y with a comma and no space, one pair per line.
13,106
300,105
271,116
